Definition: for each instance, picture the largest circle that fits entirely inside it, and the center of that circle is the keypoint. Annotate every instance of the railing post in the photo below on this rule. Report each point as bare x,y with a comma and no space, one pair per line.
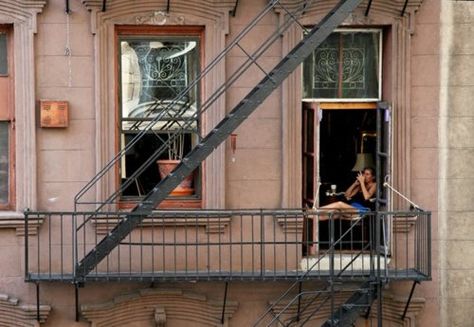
74,245
38,316
27,268
378,274
331,261
428,236
262,245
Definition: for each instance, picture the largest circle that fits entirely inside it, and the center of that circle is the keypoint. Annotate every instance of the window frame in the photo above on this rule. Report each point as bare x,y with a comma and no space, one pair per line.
380,74
188,31
9,116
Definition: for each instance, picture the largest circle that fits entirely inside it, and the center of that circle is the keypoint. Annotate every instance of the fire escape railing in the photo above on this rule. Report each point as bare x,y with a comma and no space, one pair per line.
232,245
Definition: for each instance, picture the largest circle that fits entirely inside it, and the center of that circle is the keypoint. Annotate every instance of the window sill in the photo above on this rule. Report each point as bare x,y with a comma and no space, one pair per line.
403,224
170,203
291,224
211,224
16,220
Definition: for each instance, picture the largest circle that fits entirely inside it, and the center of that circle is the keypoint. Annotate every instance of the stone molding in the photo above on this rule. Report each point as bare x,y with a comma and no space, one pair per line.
214,16
382,13
16,220
156,306
211,225
22,15
294,225
14,314
403,224
21,12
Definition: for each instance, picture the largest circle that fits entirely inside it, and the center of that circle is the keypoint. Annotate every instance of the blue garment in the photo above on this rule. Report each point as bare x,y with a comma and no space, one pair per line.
359,207
358,201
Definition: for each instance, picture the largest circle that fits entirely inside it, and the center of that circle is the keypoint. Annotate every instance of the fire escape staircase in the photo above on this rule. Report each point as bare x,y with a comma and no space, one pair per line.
296,310
206,146
358,303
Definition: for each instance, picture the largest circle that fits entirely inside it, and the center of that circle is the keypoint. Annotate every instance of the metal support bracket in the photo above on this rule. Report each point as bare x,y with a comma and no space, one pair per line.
404,8
300,286
367,10
225,300
234,11
76,298
38,302
409,299
367,313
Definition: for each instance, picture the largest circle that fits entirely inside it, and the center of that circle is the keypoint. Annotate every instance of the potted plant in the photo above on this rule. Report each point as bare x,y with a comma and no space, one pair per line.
175,155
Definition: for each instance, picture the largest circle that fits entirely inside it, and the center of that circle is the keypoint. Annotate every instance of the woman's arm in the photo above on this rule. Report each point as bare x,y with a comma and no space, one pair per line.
368,193
352,190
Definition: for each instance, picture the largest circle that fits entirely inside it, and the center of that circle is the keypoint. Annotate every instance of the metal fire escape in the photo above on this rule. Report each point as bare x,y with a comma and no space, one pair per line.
206,146
365,284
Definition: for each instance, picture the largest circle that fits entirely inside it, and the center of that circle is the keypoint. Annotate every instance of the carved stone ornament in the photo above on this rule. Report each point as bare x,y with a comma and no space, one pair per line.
159,18
24,314
153,306
160,317
357,18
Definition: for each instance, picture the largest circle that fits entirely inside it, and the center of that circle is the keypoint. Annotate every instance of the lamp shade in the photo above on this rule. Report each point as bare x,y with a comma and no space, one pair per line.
363,160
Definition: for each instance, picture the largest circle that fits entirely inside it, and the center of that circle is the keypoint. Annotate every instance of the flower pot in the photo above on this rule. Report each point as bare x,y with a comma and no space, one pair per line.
165,167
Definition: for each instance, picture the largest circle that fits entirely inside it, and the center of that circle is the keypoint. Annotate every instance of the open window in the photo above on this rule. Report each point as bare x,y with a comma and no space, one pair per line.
156,65
342,83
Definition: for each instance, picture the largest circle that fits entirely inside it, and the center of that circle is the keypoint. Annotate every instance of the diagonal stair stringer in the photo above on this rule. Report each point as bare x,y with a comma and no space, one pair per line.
358,303
223,129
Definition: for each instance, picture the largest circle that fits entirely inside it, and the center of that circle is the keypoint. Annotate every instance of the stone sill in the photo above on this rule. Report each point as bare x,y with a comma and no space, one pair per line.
212,225
16,220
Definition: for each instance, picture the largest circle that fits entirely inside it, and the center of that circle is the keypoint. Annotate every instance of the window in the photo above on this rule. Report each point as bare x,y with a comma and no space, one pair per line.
346,67
155,66
6,122
341,86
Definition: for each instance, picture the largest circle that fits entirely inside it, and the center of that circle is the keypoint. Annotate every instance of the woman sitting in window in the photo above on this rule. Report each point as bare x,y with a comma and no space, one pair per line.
358,195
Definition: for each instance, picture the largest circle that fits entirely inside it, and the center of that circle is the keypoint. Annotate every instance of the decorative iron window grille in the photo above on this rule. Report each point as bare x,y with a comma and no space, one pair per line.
347,66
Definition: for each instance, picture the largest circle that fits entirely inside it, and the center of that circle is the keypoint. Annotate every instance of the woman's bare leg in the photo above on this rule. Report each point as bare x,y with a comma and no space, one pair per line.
346,210
338,205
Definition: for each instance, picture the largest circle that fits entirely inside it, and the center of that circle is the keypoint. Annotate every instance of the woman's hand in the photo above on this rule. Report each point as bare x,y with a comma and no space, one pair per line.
360,178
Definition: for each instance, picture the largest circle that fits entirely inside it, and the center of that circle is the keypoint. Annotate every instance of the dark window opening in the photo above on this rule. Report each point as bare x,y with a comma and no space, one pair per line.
343,136
3,54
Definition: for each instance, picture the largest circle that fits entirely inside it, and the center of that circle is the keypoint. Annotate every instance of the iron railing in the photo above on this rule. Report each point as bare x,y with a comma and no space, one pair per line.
233,245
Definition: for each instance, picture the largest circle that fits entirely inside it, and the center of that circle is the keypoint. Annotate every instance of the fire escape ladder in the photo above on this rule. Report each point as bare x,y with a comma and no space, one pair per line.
310,302
358,303
346,314
223,129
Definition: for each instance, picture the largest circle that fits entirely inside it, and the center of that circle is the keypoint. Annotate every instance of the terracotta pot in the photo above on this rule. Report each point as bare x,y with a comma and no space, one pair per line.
185,187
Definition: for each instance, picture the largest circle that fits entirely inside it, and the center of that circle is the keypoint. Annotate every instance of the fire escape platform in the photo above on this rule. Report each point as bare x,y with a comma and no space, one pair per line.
242,245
